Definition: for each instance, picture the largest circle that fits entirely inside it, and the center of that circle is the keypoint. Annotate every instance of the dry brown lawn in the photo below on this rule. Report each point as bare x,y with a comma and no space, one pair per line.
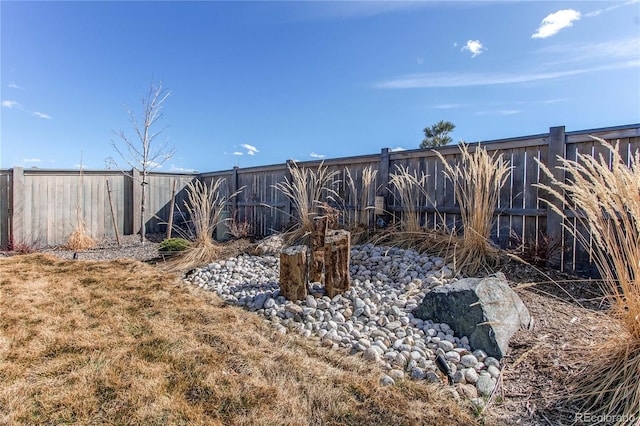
121,342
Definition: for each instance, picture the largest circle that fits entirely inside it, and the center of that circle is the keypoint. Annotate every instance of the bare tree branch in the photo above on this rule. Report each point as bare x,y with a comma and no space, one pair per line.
142,154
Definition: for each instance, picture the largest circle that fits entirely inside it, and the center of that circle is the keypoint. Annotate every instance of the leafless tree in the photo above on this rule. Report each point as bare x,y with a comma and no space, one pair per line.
143,152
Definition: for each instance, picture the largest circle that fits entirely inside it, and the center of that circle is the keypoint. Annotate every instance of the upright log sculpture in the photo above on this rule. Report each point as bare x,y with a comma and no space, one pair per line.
336,258
316,273
293,272
328,262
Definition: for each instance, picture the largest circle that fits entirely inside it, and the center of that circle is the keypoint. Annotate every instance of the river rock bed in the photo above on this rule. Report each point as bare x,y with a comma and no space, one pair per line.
374,318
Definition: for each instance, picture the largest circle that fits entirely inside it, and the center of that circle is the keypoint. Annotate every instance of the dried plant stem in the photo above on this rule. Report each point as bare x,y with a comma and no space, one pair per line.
306,189
80,238
360,195
477,180
204,206
409,189
603,194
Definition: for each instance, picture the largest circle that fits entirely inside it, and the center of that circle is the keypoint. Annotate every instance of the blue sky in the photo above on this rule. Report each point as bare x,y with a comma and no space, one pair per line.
255,83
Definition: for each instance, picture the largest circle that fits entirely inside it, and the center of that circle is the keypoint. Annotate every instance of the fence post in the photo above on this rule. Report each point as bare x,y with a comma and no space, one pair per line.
554,220
16,231
288,208
136,200
383,175
234,189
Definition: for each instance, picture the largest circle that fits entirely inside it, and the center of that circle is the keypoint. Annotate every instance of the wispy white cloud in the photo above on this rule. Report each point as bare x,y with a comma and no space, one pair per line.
499,112
31,160
80,166
398,148
555,101
314,155
42,115
420,61
341,10
555,22
449,106
453,79
237,153
430,80
610,8
473,46
174,168
251,150
14,86
152,165
611,49
11,104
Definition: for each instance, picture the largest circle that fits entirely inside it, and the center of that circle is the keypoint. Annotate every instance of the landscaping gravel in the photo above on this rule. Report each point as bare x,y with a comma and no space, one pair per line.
373,318
108,249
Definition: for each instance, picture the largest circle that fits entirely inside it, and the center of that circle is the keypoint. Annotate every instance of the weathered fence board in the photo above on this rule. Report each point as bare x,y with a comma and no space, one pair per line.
6,207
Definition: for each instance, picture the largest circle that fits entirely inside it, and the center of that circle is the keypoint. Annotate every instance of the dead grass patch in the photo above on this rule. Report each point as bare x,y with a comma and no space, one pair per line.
121,342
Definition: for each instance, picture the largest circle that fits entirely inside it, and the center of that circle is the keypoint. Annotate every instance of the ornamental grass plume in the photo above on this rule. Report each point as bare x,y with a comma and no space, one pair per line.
204,205
409,189
358,219
477,180
306,189
80,238
603,194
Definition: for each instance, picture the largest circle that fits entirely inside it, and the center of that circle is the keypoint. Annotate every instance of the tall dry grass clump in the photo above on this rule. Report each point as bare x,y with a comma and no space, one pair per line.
358,218
409,189
204,205
307,188
477,180
605,198
80,238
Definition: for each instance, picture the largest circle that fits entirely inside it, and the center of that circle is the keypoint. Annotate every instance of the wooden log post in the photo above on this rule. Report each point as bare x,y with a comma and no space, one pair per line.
316,269
293,273
336,257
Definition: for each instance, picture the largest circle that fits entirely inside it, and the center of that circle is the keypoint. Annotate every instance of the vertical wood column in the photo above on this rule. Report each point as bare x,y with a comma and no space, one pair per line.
337,256
316,272
293,273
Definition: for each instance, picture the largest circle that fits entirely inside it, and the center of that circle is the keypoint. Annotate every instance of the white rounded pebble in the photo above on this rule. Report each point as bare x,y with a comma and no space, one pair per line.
373,318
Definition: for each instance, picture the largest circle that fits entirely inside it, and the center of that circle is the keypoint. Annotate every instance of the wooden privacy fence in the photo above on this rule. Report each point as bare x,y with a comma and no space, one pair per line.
44,207
39,206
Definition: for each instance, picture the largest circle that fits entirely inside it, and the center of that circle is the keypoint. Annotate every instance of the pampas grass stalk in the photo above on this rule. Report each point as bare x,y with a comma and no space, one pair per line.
80,238
204,205
409,189
306,189
604,197
358,219
477,180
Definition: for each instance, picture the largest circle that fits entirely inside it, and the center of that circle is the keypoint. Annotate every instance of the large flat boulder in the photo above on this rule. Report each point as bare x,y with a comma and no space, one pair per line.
486,310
